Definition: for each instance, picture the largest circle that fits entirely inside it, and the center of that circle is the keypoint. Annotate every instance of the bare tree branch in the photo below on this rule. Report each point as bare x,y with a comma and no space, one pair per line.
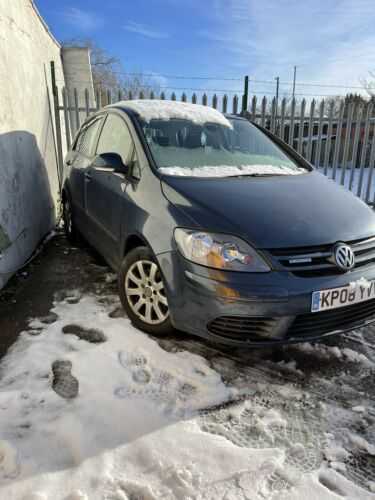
109,74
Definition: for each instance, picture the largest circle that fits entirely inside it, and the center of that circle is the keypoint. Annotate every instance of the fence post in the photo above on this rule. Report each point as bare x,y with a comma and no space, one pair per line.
282,120
364,148
336,157
235,105
225,103
263,112
301,126
66,118
87,102
273,115
76,109
291,123
310,131
245,96
360,112
370,168
98,99
253,108
320,133
348,133
327,153
57,124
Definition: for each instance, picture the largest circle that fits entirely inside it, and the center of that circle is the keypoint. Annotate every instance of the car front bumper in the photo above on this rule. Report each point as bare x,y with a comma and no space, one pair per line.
261,309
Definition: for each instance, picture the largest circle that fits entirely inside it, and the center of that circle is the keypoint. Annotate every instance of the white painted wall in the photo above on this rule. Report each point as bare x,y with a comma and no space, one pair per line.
78,75
28,165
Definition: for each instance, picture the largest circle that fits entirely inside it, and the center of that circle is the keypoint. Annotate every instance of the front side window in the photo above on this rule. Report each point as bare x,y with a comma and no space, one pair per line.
116,138
181,147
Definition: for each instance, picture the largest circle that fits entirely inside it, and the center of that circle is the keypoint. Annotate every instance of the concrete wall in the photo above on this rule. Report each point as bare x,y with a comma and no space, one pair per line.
78,75
28,165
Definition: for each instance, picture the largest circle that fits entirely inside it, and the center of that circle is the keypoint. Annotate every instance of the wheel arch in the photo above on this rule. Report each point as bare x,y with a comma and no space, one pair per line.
133,241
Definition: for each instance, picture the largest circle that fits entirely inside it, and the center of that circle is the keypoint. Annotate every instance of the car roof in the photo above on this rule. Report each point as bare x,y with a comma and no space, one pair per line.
127,106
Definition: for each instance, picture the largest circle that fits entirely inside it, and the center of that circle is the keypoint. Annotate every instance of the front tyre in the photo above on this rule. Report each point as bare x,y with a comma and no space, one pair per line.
142,292
70,229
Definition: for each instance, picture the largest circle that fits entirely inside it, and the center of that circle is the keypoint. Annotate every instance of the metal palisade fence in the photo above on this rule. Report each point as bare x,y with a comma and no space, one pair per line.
338,140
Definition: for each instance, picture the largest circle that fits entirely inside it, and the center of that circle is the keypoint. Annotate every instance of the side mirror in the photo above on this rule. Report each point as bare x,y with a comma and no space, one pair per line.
110,161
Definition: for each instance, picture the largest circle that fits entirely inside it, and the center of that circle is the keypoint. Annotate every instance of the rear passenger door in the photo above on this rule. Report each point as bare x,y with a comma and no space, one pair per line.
105,189
77,163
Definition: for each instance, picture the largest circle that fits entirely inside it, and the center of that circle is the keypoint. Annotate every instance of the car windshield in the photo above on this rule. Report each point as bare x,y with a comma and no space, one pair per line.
182,147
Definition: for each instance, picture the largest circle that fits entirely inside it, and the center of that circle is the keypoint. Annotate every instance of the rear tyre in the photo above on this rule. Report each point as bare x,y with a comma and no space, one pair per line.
142,292
71,231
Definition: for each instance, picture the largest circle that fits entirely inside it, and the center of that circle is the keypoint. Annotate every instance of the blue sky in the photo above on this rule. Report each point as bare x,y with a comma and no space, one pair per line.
330,41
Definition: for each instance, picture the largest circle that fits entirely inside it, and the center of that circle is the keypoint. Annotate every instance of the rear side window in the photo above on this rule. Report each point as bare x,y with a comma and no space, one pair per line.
86,140
116,138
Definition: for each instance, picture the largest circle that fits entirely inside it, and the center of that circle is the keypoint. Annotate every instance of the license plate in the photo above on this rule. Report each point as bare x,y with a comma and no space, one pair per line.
333,298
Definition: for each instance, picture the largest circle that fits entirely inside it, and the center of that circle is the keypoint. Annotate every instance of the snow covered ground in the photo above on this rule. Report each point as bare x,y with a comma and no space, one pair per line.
91,408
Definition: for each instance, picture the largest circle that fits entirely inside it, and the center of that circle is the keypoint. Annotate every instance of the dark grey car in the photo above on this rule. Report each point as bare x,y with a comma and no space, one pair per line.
218,228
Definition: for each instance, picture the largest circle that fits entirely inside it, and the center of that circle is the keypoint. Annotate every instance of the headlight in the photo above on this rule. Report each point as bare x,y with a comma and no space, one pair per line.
219,251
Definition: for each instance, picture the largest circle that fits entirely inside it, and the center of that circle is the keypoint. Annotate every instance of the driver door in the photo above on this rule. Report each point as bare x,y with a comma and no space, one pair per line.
105,188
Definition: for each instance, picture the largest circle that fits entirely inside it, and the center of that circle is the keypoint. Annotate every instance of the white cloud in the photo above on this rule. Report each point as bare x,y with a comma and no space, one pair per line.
159,80
84,20
330,42
143,30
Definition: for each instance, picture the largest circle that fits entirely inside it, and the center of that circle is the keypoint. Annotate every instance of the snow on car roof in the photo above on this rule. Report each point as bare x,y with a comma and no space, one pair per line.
153,109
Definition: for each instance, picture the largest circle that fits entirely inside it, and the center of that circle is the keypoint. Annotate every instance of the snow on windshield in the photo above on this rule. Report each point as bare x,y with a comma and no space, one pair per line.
228,170
150,109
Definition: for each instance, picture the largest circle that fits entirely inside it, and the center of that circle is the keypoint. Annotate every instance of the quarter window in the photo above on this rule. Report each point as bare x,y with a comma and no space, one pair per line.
85,143
116,138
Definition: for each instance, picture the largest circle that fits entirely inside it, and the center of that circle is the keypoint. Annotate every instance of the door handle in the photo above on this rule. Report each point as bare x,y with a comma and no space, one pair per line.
88,176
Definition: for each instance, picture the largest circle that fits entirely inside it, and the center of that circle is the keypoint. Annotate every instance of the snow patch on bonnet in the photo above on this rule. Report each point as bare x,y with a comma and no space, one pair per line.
228,170
153,109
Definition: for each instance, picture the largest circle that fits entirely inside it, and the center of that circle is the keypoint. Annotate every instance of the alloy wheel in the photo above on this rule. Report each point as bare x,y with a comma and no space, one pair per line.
145,292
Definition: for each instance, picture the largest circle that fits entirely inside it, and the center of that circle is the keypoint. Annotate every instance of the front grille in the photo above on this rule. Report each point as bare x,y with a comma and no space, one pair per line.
243,327
313,324
263,329
316,261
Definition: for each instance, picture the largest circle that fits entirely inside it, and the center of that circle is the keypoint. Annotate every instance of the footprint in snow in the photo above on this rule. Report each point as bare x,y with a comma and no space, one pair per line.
49,319
89,334
126,360
141,376
64,383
